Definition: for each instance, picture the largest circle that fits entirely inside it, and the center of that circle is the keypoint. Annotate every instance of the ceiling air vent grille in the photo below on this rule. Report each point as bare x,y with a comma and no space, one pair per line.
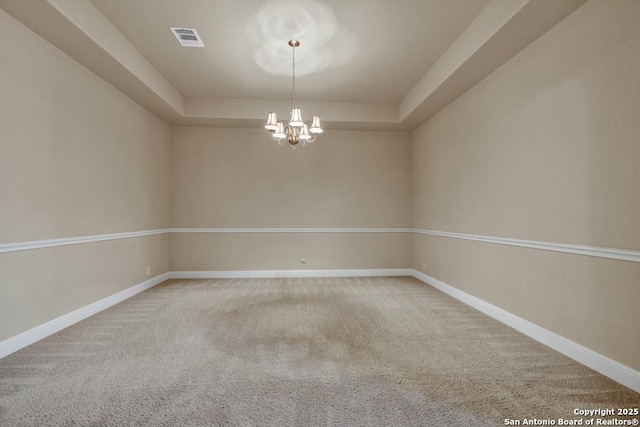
187,36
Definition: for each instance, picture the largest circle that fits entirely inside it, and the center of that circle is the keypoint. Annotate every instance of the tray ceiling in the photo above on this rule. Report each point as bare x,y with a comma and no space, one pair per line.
363,64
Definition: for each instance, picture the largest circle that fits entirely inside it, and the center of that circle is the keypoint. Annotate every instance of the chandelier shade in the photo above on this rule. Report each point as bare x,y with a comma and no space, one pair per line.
279,132
296,130
296,118
272,122
304,134
315,125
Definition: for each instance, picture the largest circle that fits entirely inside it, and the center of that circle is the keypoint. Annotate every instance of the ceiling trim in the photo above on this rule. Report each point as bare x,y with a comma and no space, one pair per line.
257,109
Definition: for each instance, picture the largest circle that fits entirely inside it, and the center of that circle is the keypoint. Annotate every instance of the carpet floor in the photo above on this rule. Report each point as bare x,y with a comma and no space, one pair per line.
290,352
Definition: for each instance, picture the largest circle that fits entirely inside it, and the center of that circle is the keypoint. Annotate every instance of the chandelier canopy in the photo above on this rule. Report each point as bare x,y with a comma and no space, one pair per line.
296,130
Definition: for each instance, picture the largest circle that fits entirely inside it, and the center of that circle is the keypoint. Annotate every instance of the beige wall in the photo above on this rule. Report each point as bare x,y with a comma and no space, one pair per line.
78,158
43,284
242,178
282,251
546,148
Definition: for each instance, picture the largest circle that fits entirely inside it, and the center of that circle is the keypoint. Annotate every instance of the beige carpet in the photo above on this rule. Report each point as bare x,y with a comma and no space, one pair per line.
290,352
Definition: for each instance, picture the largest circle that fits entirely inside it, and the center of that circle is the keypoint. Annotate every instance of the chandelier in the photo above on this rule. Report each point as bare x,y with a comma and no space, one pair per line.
296,130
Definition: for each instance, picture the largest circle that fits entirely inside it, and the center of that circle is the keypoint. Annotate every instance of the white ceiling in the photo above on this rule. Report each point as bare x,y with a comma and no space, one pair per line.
391,64
397,42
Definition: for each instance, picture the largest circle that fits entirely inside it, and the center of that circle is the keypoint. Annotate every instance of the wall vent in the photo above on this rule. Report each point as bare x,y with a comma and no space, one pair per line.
188,37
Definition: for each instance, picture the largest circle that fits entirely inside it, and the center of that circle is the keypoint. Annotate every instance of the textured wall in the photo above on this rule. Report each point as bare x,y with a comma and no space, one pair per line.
78,158
546,148
242,178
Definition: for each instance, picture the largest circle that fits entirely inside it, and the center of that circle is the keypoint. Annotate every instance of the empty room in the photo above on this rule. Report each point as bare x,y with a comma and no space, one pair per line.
319,212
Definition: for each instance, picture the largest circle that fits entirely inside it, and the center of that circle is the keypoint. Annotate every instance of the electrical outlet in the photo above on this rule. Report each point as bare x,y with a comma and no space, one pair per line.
424,265
303,260
148,270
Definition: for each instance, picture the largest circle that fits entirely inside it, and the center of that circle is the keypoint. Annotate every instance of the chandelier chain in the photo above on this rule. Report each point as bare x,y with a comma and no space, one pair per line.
293,84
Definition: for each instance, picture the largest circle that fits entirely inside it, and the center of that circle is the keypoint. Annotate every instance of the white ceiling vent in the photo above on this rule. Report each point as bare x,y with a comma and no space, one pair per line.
188,37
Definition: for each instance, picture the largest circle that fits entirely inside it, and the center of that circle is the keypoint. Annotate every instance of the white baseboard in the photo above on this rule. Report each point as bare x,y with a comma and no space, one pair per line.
33,335
249,274
623,374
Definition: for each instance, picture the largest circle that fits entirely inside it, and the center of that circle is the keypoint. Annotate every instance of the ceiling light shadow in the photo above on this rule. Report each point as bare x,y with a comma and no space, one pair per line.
323,41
